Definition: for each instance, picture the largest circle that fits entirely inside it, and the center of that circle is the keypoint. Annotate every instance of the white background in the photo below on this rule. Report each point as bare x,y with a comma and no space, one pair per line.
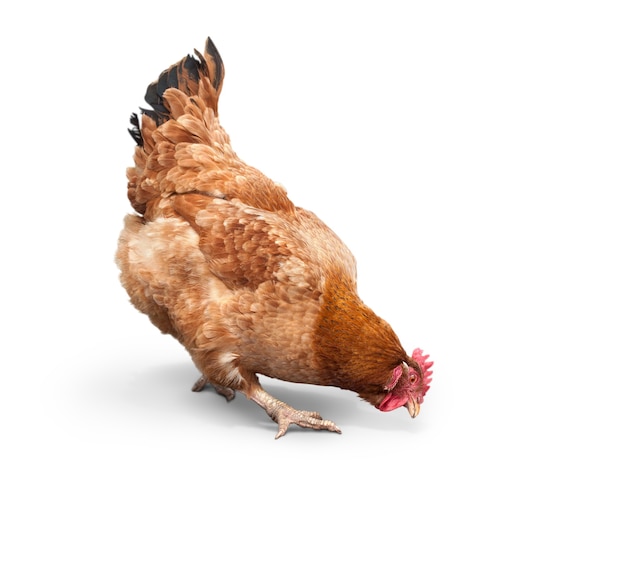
471,154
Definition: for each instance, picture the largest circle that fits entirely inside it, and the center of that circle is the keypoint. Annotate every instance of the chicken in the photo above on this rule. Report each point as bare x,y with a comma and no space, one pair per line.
218,256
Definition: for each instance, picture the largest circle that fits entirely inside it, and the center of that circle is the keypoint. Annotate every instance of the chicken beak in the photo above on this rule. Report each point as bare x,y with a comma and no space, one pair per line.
413,406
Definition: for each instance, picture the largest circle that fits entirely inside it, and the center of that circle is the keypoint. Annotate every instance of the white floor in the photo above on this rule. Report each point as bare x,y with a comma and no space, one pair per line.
473,159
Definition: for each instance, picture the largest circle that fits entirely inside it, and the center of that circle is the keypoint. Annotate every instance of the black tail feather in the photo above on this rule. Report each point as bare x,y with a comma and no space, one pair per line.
135,131
218,72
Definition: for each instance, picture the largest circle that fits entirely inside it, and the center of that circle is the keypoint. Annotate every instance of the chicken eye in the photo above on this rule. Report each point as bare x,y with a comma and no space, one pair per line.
412,378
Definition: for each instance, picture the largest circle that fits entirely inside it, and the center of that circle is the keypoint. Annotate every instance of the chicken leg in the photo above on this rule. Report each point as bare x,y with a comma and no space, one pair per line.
286,415
226,392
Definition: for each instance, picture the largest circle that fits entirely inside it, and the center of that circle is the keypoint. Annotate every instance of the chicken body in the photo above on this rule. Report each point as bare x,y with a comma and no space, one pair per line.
221,259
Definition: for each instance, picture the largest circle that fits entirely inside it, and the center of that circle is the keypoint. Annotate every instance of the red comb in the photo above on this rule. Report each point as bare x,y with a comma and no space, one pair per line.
424,365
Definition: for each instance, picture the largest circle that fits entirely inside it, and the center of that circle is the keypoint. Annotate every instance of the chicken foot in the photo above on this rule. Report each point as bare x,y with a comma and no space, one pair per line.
286,415
226,392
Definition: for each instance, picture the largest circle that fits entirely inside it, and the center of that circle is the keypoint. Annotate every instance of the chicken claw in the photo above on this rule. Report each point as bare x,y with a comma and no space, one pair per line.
286,415
226,392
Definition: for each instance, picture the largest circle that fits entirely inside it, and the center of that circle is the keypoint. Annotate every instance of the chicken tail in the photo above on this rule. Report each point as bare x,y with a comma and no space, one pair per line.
195,75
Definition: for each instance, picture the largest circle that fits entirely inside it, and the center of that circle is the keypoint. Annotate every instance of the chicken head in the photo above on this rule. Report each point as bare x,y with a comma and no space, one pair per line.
408,384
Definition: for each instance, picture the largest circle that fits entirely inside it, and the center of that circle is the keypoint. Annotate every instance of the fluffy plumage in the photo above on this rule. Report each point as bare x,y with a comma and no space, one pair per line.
220,258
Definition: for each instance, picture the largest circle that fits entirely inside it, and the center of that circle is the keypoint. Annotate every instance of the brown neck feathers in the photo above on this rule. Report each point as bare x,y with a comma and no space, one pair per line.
354,348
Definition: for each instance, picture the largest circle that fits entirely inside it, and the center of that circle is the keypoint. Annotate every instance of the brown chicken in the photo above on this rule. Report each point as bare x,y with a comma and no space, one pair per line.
221,259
